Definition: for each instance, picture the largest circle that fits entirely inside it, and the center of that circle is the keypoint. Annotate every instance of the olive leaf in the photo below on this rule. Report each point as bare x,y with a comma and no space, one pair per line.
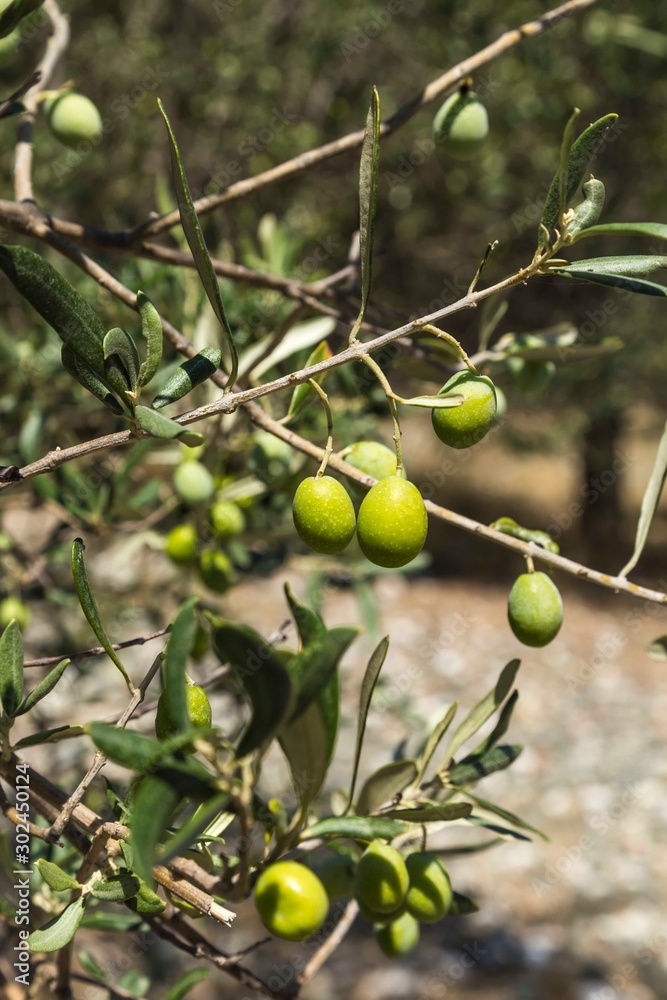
565,149
176,656
306,745
41,690
657,649
192,372
650,502
257,361
476,766
155,805
89,379
151,328
89,605
579,157
11,668
434,402
384,784
159,426
501,726
463,906
55,877
483,710
589,211
193,828
312,668
58,933
119,344
638,285
508,526
631,265
50,736
14,13
432,742
368,184
367,687
304,393
117,888
504,814
186,983
445,812
363,828
656,230
116,923
200,254
309,624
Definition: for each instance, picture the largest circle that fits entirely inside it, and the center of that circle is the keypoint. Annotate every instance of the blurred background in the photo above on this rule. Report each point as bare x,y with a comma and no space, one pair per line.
248,84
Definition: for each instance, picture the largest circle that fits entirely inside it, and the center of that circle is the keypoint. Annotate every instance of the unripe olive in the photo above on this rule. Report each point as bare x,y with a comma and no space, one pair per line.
215,570
193,483
399,937
374,917
535,609
226,519
272,458
382,880
465,425
430,894
198,708
373,459
392,523
462,124
323,514
291,900
73,119
181,543
530,377
337,874
13,607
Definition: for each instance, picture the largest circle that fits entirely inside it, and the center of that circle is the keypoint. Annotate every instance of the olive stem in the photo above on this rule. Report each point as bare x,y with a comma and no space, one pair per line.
327,409
391,399
530,564
453,342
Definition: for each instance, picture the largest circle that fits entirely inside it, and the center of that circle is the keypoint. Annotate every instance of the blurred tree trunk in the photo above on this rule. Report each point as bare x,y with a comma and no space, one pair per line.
603,469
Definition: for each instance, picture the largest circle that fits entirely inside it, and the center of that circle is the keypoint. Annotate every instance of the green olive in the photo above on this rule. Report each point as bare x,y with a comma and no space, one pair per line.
466,424
462,125
272,458
535,609
323,514
226,519
13,607
216,570
373,459
382,880
193,483
399,937
337,874
73,119
291,900
430,894
198,708
374,917
181,543
528,375
392,523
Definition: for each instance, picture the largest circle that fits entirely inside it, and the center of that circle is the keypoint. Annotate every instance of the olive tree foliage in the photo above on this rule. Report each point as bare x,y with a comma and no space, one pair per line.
189,833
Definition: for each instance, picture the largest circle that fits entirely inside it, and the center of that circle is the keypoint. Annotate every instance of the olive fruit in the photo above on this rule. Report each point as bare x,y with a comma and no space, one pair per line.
529,376
271,459
399,937
382,880
535,609
73,119
380,918
181,543
392,523
226,519
429,897
291,900
13,607
215,570
323,514
198,709
462,125
193,483
372,458
337,876
466,424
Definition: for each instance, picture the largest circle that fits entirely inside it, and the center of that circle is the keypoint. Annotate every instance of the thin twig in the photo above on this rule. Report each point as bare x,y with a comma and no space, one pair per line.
326,950
47,661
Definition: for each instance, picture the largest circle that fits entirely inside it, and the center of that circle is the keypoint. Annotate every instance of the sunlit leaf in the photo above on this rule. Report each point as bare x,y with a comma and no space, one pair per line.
650,502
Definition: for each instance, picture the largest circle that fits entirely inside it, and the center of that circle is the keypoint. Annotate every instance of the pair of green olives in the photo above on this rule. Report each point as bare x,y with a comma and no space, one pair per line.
535,609
391,527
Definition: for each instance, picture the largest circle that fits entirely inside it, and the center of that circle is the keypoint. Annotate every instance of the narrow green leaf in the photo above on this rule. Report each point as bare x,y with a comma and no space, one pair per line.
90,965
116,923
657,650
483,710
580,155
368,183
305,743
50,736
133,750
501,726
638,285
155,806
384,784
159,426
632,265
193,828
135,983
41,690
191,373
311,670
367,687
264,677
146,901
363,828
476,766
504,814
463,906
186,983
444,813
14,12
650,502
435,402
589,211
309,624
176,657
89,379
117,888
508,526
200,254
11,668
55,877
57,302
151,327
58,932
89,605
118,343
434,739
304,393
655,230
565,149
303,336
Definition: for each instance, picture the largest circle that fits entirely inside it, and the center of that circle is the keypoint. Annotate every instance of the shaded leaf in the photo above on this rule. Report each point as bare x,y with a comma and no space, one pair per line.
89,379
159,426
444,813
176,656
384,784
50,736
434,739
650,502
188,833
155,806
41,690
463,906
118,343
311,670
508,526
368,183
501,726
191,373
627,264
304,393
133,750
367,687
363,828
655,230
309,624
11,668
200,254
58,932
306,745
14,12
476,766
116,923
638,285
483,710
186,983
117,888
151,327
89,965
89,604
